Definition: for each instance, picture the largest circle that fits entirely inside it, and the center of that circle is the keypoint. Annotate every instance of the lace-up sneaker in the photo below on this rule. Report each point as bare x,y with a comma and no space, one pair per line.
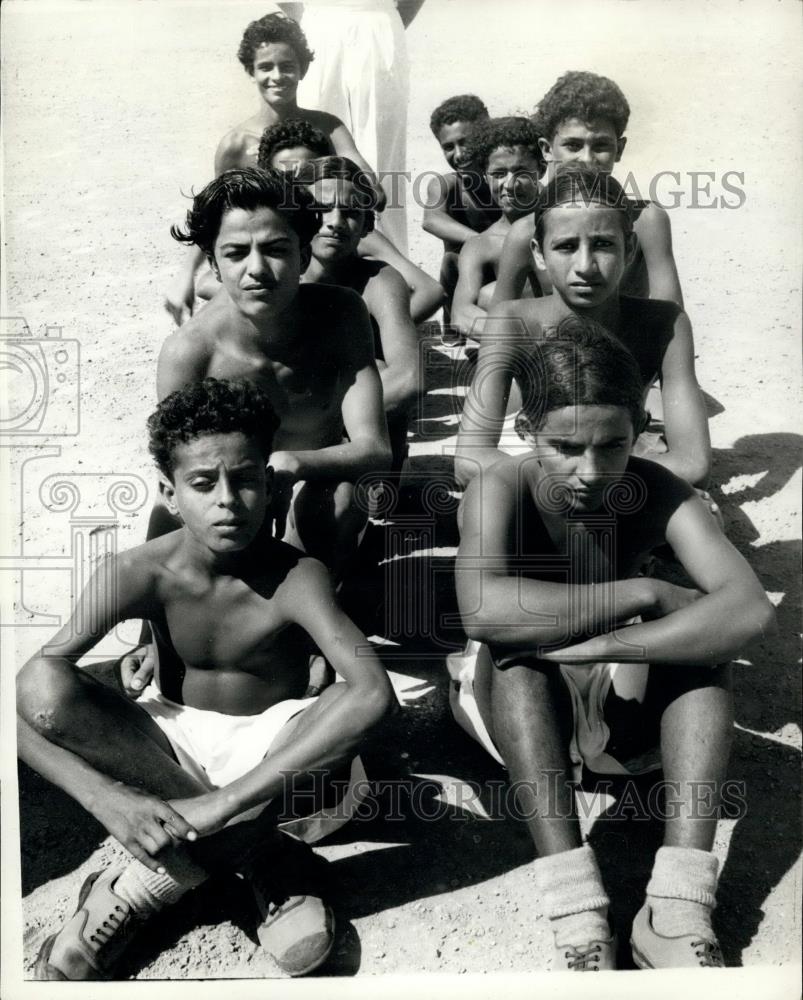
94,938
590,957
652,950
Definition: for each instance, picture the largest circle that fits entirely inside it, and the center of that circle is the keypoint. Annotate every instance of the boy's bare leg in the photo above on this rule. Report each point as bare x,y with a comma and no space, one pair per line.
528,713
325,521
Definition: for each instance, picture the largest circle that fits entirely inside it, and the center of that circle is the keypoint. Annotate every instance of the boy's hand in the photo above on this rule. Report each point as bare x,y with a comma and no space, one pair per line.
201,812
143,823
136,670
285,475
179,297
670,597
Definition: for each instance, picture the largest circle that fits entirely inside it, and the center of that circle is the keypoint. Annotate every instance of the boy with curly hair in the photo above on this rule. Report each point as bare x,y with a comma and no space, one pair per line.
458,204
507,152
584,116
274,52
181,778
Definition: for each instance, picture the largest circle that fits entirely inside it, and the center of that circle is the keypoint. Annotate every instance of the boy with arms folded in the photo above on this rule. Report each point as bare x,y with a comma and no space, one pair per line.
551,541
215,735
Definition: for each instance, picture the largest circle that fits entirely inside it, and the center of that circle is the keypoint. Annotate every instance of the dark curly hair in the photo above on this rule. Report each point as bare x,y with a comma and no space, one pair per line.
586,96
463,108
496,133
274,28
287,135
576,181
213,406
248,188
579,364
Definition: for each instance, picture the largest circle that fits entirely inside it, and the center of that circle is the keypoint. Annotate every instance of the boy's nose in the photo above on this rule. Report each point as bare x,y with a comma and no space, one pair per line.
256,264
584,260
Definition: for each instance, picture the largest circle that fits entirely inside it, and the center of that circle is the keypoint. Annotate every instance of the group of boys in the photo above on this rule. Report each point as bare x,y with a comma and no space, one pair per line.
294,380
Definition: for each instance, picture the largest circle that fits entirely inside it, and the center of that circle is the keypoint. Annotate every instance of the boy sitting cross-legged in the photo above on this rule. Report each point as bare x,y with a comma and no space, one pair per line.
223,725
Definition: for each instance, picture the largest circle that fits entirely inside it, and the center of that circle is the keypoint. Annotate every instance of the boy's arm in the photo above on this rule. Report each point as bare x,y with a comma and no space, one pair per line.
344,145
731,611
498,605
685,418
485,405
388,300
436,219
655,237
466,314
426,295
121,589
368,446
365,698
516,262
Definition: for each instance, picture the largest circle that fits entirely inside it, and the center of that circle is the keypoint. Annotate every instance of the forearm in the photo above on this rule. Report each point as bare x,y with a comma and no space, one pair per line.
468,317
439,223
425,298
345,462
712,630
694,467
509,283
334,738
517,613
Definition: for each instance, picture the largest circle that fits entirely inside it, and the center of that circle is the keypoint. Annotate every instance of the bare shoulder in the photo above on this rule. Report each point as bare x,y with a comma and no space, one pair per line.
305,583
521,232
233,148
321,119
653,223
649,492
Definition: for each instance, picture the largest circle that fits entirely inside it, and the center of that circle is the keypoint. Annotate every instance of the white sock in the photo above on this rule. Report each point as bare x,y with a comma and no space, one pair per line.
681,891
146,891
573,897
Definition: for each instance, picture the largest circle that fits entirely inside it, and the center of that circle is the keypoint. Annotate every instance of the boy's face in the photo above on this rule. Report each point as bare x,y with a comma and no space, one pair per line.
258,261
584,251
595,143
453,141
512,176
220,489
277,73
582,450
286,160
342,219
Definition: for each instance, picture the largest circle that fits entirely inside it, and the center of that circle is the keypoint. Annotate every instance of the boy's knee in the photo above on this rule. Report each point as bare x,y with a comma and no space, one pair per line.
46,693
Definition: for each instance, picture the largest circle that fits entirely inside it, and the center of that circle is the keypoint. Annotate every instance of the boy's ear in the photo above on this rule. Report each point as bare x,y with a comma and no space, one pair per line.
546,149
167,491
306,257
535,246
621,142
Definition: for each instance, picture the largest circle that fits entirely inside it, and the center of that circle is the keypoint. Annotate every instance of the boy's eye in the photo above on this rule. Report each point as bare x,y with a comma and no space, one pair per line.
202,485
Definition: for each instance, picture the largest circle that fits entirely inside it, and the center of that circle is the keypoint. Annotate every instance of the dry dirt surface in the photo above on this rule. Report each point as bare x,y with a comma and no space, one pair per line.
110,112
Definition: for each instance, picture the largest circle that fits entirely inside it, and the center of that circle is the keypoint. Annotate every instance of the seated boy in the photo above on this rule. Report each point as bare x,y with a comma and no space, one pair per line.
311,348
459,204
274,52
340,191
584,117
583,241
223,725
569,677
289,144
506,151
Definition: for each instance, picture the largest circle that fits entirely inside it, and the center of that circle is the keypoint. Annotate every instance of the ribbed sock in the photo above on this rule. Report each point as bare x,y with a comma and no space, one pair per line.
146,891
681,891
573,897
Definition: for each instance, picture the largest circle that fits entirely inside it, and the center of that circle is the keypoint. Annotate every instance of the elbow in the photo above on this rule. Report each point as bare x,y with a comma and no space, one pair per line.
698,470
464,469
378,703
766,620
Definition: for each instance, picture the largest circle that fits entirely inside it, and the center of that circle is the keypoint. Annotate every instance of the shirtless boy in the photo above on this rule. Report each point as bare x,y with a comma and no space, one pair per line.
566,680
286,146
274,52
309,347
583,241
506,150
584,117
341,194
214,737
459,204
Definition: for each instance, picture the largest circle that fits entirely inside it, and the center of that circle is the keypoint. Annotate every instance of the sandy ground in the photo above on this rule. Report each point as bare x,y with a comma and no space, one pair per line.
110,112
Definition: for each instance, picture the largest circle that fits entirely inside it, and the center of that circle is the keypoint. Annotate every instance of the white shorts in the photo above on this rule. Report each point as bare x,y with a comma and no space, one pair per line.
216,749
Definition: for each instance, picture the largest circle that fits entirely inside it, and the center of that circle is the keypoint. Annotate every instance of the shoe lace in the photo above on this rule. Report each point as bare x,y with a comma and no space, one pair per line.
582,959
709,953
107,928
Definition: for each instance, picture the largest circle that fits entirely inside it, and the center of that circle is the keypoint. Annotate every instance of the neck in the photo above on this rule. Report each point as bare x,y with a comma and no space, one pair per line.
270,331
608,313
329,272
270,115
200,557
